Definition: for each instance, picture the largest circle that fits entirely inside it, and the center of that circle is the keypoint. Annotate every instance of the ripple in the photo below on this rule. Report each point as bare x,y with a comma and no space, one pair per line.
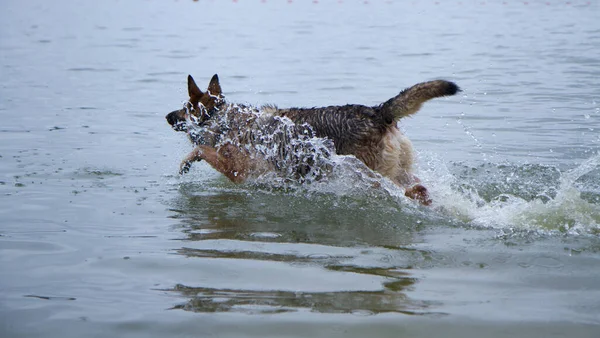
50,297
91,69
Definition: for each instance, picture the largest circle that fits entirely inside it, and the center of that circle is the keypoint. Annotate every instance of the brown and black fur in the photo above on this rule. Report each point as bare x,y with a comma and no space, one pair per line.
228,135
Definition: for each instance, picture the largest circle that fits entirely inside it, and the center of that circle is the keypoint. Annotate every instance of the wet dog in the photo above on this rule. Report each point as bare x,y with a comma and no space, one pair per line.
243,141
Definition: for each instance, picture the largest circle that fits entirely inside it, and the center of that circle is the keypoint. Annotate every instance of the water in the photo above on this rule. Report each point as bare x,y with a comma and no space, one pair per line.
100,237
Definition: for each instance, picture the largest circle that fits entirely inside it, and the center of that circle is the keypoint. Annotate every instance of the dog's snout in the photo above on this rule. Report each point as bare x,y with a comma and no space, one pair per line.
173,117
177,120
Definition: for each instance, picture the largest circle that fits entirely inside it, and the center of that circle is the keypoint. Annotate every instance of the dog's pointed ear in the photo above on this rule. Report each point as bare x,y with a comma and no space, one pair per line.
214,87
193,89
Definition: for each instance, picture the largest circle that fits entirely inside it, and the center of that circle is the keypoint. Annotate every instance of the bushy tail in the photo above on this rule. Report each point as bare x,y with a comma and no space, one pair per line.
409,100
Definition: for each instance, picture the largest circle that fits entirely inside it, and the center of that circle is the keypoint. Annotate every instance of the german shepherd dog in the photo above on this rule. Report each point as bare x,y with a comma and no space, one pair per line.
242,141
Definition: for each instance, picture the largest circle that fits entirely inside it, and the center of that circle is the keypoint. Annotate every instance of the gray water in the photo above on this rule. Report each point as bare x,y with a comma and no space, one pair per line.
99,236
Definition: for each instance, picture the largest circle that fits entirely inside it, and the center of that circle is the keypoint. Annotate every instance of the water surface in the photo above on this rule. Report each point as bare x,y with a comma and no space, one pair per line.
100,237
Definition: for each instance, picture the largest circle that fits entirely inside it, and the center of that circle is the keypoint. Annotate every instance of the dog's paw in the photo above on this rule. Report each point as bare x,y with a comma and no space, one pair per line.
184,168
419,193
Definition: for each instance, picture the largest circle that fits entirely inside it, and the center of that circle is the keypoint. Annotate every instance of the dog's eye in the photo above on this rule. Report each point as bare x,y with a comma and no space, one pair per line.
203,111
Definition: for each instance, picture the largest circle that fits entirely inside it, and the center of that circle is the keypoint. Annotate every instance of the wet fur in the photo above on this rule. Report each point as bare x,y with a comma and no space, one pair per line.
228,135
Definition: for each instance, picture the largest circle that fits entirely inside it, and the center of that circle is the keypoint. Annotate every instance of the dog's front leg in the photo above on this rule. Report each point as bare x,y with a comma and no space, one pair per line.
201,152
186,164
227,159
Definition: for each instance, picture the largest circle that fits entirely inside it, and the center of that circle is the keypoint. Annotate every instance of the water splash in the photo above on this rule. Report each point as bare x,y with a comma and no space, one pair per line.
502,196
527,197
284,151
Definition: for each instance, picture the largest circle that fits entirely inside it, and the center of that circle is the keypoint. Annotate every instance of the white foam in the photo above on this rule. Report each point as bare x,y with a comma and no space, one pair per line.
564,211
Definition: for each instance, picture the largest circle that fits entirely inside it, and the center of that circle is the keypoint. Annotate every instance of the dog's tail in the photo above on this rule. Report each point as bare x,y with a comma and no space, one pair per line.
409,100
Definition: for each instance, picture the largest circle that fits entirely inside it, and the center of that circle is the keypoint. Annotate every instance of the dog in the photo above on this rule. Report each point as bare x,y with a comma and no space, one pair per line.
243,141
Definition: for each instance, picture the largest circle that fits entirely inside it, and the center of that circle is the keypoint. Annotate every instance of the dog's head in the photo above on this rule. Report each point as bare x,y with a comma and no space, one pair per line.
200,107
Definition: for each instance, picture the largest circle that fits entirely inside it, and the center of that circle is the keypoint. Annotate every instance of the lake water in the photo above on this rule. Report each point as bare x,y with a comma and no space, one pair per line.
99,236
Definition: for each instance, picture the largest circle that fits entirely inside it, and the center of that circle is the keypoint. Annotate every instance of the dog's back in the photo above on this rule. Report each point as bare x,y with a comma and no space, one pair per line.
370,133
349,127
352,125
